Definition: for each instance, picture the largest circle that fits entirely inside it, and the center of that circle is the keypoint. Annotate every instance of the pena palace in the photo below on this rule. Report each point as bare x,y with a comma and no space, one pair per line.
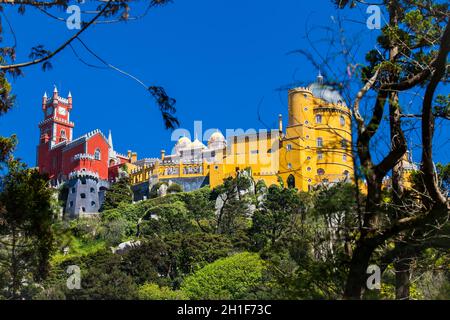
315,148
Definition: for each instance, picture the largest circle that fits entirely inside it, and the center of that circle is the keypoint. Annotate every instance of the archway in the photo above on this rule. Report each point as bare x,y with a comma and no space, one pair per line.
291,181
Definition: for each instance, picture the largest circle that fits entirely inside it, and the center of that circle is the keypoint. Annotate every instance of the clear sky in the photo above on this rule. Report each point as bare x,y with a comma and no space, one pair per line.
222,60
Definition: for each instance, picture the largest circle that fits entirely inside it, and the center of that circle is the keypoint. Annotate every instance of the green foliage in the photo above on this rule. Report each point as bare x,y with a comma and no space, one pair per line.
152,291
279,215
119,192
228,278
114,232
26,234
149,262
102,278
200,207
174,188
192,251
167,218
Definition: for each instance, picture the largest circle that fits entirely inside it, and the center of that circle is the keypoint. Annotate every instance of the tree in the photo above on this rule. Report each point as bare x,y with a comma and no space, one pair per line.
234,277
152,291
119,192
200,207
234,209
167,218
102,278
278,216
192,251
150,262
410,57
26,235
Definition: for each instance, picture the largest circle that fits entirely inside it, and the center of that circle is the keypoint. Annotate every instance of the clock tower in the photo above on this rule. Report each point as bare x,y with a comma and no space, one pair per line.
56,126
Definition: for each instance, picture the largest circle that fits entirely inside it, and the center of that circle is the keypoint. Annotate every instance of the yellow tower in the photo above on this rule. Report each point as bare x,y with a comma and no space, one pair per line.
317,145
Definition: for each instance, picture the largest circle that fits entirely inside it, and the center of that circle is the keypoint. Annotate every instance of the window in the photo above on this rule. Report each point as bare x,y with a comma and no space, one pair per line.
83,209
309,180
289,165
92,203
320,172
291,181
344,143
319,142
92,190
319,155
342,121
307,136
254,152
344,157
83,196
306,122
97,154
63,134
216,167
308,169
346,172
308,158
289,147
73,190
318,118
83,181
70,204
269,151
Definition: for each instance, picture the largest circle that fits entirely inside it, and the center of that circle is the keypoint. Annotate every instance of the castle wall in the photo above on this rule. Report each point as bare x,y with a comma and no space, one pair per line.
85,196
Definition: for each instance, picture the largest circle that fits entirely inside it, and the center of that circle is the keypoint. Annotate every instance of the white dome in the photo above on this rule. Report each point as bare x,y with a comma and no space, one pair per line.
183,142
326,93
216,137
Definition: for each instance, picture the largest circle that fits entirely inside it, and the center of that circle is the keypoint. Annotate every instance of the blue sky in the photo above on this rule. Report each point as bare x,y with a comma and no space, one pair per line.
222,60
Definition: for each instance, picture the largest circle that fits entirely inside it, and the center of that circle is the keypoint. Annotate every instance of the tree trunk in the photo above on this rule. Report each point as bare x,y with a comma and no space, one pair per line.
356,280
402,276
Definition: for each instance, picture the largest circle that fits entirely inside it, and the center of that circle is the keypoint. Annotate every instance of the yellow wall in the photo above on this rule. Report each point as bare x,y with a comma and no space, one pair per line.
271,155
259,152
299,154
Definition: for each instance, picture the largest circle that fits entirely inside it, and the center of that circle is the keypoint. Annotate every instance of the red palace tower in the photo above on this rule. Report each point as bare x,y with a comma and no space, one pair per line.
79,164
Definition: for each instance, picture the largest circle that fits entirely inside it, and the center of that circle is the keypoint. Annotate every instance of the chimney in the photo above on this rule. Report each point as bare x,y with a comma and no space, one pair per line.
133,157
163,153
280,124
44,100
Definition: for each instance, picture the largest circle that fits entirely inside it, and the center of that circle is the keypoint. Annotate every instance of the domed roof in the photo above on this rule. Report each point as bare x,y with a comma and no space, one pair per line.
324,92
183,142
216,137
197,144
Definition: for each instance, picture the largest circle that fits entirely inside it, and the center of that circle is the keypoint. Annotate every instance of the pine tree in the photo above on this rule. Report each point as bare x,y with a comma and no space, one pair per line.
120,192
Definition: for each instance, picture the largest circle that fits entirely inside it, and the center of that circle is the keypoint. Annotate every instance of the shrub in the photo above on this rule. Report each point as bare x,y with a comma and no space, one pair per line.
227,278
152,291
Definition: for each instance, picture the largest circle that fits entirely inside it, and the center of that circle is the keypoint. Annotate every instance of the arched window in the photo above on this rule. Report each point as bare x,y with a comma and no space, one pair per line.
346,172
318,118
319,155
344,157
342,121
344,143
97,154
319,142
63,135
320,172
291,181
